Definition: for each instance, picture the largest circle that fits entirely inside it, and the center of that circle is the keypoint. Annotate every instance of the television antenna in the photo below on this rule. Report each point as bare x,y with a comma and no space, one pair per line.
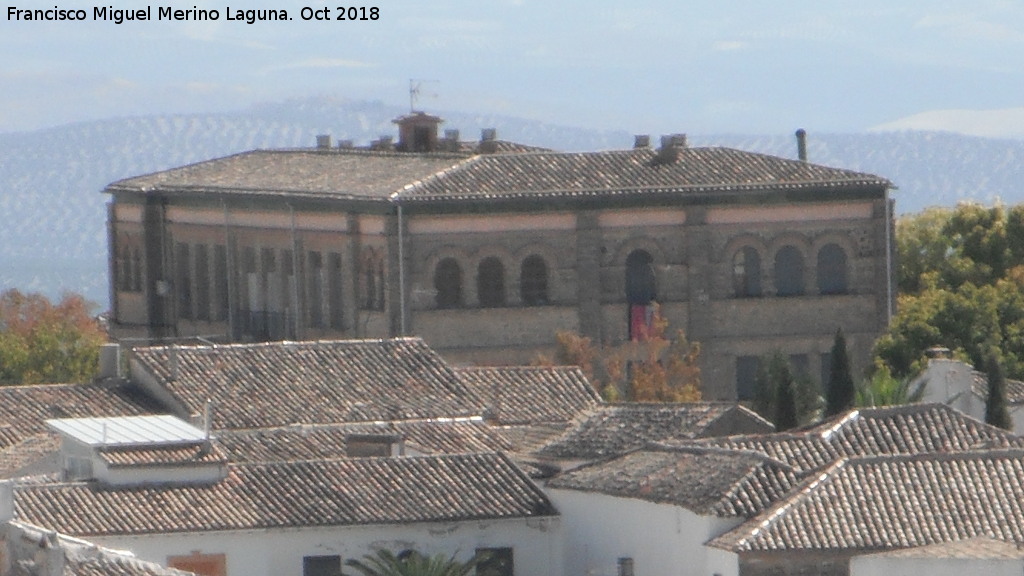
416,90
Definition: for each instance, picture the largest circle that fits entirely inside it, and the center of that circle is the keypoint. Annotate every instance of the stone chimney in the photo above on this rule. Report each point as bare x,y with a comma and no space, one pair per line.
488,141
671,144
642,141
801,145
451,140
323,141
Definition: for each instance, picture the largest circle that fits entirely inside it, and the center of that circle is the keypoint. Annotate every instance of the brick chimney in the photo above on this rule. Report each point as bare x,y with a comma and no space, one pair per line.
801,145
671,144
488,141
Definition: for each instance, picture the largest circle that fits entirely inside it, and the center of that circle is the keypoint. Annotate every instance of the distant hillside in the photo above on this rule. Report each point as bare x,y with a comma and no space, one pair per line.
53,236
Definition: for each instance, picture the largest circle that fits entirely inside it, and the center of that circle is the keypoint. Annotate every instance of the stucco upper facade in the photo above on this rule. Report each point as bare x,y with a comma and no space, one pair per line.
487,256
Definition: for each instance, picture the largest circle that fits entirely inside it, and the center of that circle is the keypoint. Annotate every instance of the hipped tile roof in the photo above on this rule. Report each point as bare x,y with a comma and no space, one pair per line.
908,429
284,383
618,428
296,494
414,178
978,548
888,502
724,483
530,394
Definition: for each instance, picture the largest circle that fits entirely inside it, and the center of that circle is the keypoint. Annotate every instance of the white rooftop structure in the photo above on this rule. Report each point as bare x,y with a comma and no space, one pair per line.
128,430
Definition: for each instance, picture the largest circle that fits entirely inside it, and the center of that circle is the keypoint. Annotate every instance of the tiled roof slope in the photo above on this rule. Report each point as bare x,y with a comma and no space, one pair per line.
887,502
296,494
284,383
908,429
336,174
1014,388
122,457
37,454
618,428
978,548
723,483
326,442
530,394
23,409
621,172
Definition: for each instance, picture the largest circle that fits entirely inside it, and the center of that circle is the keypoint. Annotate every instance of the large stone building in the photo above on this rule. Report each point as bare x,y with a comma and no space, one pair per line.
487,251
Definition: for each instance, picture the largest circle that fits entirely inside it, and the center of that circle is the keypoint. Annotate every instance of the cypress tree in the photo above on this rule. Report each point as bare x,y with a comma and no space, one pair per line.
996,412
840,391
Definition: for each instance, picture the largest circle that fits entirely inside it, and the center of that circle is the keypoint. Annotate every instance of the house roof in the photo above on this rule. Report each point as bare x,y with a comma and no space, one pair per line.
446,436
283,383
129,456
887,502
726,483
1014,388
24,409
330,174
978,548
36,454
907,429
355,491
447,177
618,428
530,394
627,172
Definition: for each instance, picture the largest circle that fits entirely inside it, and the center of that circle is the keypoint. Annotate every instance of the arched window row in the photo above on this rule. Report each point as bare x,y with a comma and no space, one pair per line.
788,271
491,284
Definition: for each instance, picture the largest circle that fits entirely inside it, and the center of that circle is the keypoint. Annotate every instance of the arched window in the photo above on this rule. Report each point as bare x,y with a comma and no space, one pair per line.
641,287
533,281
789,272
746,272
832,270
448,283
490,283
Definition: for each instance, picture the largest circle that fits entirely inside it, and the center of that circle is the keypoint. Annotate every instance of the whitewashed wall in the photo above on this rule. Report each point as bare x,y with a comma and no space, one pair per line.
662,540
537,544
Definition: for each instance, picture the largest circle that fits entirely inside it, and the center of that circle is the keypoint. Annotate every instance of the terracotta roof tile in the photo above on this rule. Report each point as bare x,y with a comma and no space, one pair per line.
333,174
908,429
625,172
524,173
284,383
329,441
530,394
978,548
619,428
724,483
23,409
293,494
887,502
120,457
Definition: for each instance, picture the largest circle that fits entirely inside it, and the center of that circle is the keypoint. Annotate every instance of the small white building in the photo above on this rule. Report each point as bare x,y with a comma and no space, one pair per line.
300,518
958,385
651,511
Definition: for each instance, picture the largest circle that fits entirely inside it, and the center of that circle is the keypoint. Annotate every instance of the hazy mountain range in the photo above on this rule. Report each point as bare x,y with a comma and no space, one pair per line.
53,236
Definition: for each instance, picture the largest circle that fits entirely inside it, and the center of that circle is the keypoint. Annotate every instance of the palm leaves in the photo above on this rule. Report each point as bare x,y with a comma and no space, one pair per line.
413,563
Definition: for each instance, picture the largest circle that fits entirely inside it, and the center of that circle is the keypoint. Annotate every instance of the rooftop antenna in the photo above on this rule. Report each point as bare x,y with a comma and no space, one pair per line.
415,88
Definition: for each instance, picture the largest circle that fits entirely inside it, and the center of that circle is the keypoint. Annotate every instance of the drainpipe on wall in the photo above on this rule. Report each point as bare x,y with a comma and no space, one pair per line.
401,271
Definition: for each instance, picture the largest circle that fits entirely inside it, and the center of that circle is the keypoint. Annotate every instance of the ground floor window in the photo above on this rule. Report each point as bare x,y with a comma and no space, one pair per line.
496,562
321,565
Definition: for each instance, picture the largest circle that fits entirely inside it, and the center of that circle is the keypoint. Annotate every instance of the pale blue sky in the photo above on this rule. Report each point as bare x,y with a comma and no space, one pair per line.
653,66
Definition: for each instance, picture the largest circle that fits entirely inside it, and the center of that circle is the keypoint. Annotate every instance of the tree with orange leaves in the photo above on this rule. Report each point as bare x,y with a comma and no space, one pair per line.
654,369
43,342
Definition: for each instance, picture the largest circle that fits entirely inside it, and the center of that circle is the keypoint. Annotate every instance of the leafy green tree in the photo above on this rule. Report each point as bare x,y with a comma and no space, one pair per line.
413,563
961,283
883,389
784,399
996,412
42,342
840,391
